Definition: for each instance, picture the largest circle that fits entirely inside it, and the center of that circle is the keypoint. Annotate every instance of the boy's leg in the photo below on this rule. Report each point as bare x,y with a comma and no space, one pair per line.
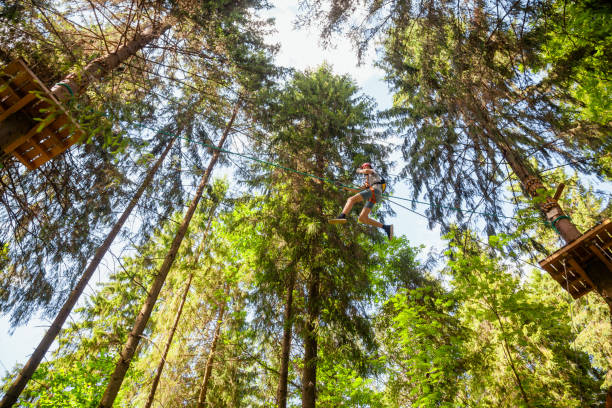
341,219
350,203
364,218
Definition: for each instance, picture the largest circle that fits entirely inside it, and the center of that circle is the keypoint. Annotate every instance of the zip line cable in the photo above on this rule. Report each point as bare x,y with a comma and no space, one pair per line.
476,239
324,179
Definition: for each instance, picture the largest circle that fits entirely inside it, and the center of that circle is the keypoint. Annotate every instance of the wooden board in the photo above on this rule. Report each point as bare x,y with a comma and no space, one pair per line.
570,265
337,221
22,92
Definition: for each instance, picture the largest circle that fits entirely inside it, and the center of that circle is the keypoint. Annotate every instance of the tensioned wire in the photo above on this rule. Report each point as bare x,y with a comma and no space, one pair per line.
324,179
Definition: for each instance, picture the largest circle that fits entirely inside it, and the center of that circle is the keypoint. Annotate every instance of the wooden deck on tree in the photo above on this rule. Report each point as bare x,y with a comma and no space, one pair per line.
570,265
53,131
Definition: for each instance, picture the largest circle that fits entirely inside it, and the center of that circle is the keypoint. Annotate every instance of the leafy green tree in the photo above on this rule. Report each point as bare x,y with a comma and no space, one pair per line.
471,110
54,216
484,338
518,338
576,55
590,320
94,340
318,125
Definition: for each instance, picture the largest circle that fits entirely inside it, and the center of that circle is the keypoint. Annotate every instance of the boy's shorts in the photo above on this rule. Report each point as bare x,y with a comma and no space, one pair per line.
366,194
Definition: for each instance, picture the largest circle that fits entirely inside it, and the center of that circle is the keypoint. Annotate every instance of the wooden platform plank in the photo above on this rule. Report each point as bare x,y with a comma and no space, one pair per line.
8,96
15,143
577,243
579,269
17,106
39,149
21,94
602,257
56,146
23,160
581,293
13,67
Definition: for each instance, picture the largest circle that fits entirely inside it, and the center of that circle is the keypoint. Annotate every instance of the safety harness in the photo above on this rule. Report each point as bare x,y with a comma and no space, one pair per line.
383,187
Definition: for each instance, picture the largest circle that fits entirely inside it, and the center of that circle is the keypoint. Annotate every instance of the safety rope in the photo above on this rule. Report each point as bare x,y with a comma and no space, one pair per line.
324,179
67,87
553,223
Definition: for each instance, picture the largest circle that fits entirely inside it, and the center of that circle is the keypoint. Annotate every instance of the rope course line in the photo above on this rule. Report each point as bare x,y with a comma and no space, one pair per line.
324,179
476,239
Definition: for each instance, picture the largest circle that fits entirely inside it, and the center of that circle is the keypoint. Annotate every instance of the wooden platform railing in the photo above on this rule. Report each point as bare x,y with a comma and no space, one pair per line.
570,265
50,130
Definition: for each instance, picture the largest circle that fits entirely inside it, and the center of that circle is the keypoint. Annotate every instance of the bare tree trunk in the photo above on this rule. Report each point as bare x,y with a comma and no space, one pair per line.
26,372
145,312
162,362
101,66
179,312
211,355
309,373
531,184
281,393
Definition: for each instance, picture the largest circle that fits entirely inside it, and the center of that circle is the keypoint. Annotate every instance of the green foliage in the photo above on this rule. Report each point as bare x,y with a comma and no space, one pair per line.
388,333
488,338
423,343
576,55
69,384
340,385
521,339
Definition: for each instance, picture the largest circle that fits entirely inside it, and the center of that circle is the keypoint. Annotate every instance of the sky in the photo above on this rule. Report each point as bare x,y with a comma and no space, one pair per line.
300,50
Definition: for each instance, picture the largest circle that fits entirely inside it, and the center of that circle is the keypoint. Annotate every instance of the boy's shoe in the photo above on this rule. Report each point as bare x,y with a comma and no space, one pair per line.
389,230
341,219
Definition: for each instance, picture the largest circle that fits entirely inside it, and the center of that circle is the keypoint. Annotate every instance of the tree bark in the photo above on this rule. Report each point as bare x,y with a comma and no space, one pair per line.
162,362
26,372
211,354
179,312
550,208
103,65
145,312
309,373
281,393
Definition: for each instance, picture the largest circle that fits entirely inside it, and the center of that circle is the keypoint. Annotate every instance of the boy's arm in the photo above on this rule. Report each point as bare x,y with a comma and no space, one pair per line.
355,190
365,171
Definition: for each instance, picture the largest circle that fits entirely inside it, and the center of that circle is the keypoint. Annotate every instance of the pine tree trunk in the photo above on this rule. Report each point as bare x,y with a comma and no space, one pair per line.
179,312
211,355
281,393
145,312
162,362
26,372
103,65
309,373
550,208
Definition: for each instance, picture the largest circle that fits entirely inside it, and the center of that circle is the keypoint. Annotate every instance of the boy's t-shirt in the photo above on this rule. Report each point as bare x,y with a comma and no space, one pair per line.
373,178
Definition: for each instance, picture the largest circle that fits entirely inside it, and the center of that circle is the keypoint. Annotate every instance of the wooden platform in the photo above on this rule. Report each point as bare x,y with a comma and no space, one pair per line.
24,95
570,265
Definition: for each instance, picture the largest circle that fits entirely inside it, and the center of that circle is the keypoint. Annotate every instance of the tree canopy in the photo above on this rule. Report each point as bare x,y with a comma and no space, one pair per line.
233,289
